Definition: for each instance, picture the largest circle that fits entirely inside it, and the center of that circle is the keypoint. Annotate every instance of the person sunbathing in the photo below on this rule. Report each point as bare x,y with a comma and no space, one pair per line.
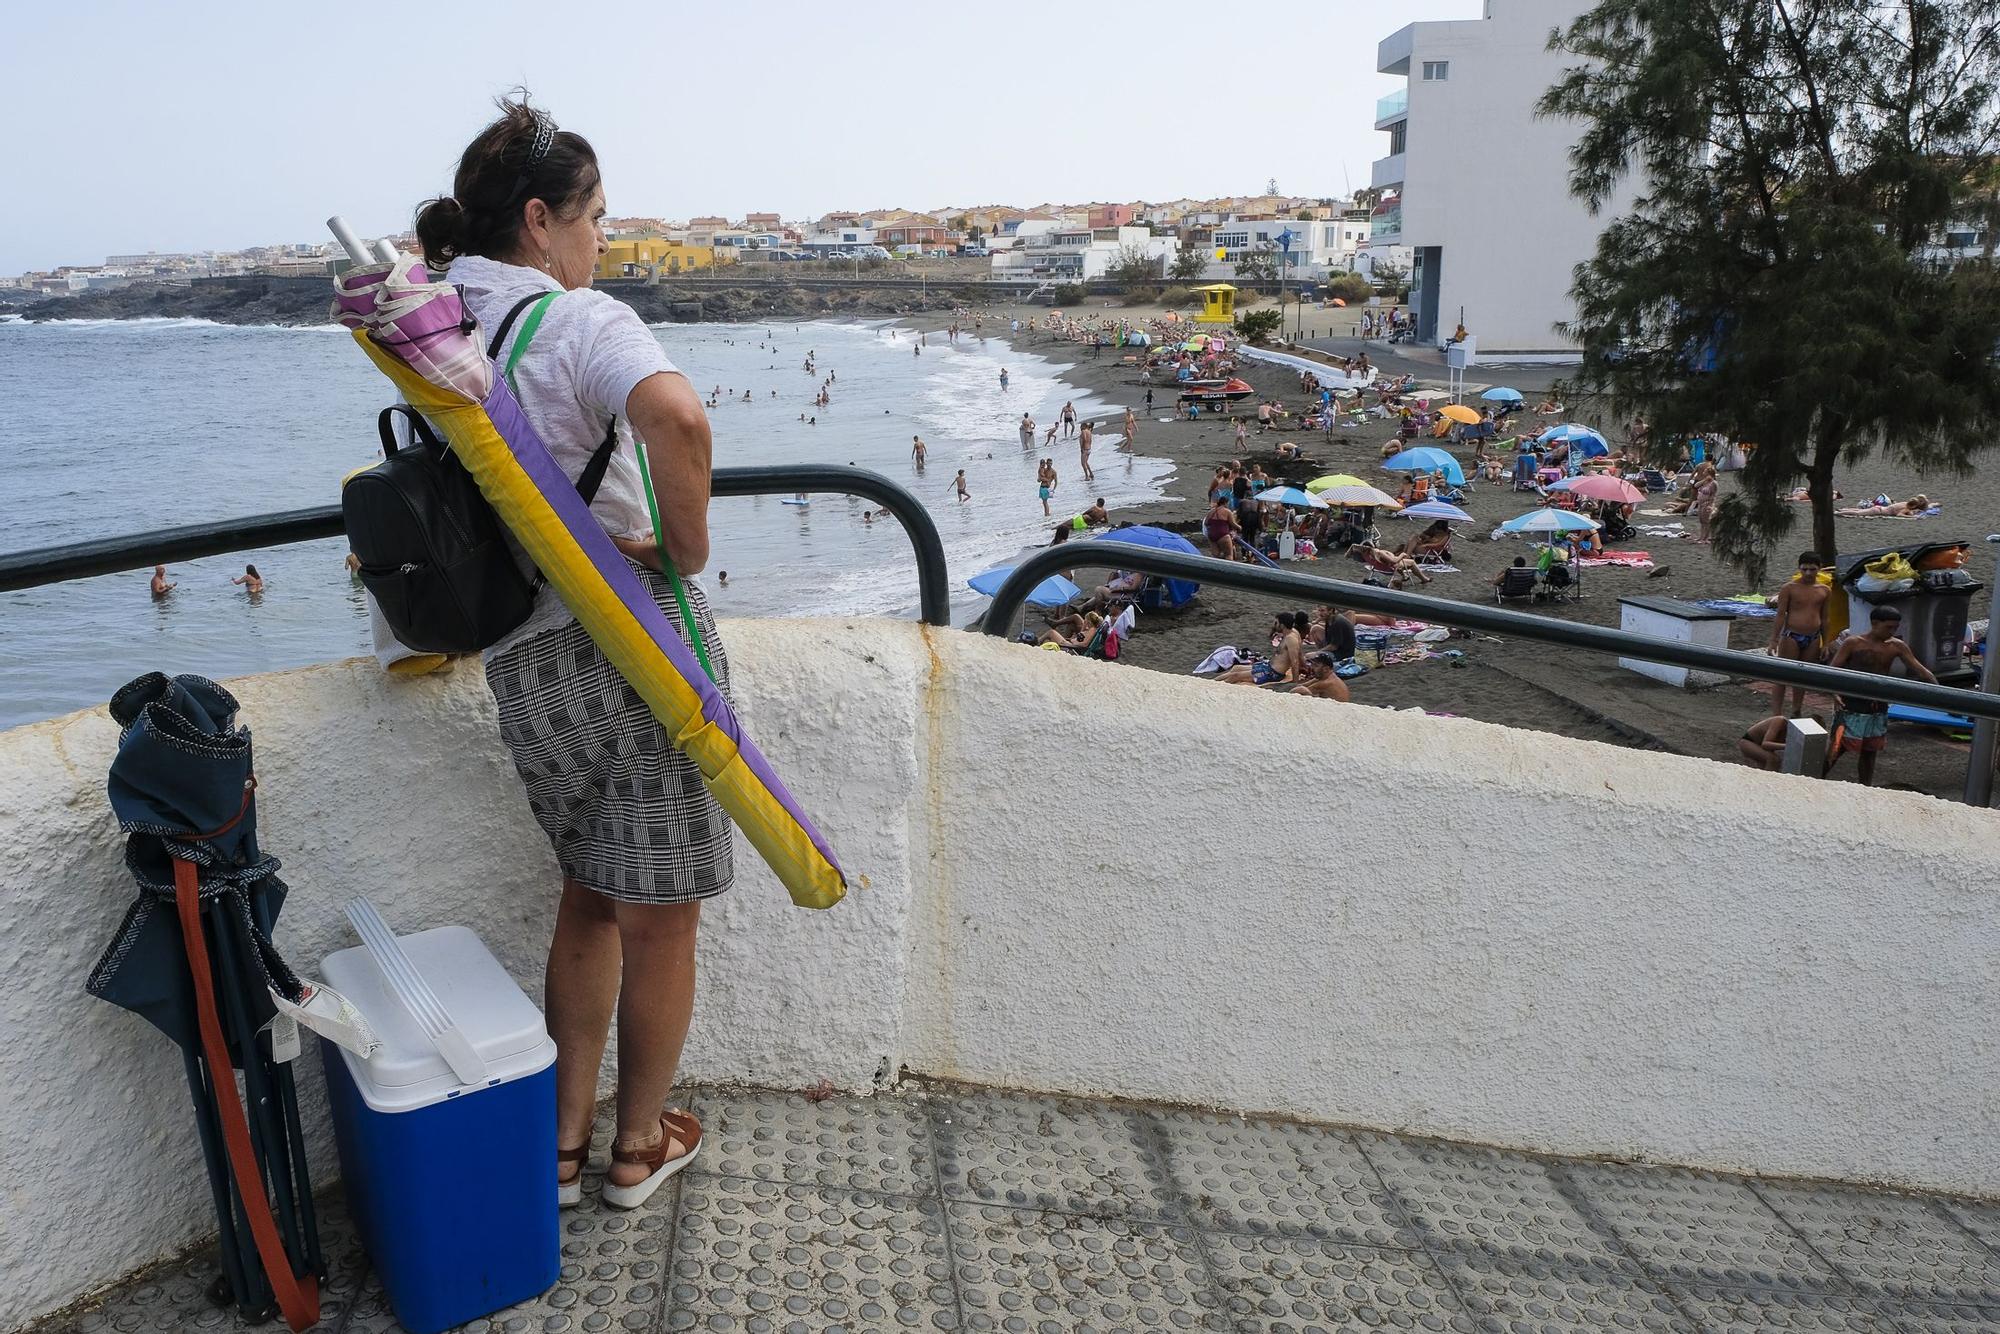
1392,563
1288,638
1432,544
1084,627
1800,495
1883,507
1124,585
1548,407
1321,681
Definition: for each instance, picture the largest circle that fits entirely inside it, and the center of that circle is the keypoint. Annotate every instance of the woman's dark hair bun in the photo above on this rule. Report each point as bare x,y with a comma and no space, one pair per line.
499,172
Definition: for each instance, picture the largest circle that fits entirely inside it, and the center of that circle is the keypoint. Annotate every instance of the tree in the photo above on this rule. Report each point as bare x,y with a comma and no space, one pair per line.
1133,268
1259,325
1389,276
1257,267
1188,266
1794,161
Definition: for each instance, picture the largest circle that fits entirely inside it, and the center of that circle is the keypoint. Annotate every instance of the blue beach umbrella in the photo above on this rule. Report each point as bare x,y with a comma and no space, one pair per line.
1437,509
1549,521
1575,434
1179,591
1502,394
1426,458
1054,591
1291,495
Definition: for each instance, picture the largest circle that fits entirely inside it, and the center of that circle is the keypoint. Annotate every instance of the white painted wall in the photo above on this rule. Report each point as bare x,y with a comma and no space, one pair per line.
1488,181
1474,932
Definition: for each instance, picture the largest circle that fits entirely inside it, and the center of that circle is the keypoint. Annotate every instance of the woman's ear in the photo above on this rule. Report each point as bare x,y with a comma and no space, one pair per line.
535,221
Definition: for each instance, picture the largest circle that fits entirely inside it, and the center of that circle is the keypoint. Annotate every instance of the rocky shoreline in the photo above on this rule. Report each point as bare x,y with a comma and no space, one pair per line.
299,302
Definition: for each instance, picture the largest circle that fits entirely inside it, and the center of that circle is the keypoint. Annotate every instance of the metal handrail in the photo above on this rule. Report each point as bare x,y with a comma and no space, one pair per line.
1014,590
81,560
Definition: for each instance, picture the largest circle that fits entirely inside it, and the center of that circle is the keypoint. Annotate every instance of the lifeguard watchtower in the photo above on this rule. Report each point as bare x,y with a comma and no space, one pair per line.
1218,304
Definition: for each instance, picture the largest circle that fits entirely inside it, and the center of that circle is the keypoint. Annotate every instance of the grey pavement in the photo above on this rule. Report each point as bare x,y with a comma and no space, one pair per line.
949,1208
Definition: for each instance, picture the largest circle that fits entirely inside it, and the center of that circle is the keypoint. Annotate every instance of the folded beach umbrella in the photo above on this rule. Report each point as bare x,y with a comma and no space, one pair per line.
1054,591
1436,509
193,957
1458,412
1426,458
1502,394
1179,591
1597,486
414,329
1291,495
1549,521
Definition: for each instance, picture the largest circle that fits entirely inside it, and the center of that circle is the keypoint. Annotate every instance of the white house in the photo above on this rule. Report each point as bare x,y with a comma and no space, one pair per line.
1463,122
1044,248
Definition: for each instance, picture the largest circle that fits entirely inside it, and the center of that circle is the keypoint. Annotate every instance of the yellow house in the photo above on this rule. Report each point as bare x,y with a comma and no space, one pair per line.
1218,304
634,257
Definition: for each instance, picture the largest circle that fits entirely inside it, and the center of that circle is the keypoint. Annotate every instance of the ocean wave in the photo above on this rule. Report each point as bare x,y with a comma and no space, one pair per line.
160,323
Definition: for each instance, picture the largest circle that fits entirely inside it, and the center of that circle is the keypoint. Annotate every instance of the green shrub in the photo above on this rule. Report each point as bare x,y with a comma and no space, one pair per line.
1174,297
1259,325
1141,295
1067,294
1349,287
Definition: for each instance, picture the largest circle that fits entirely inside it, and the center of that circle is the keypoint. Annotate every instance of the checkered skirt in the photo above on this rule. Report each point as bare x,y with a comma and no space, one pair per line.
626,812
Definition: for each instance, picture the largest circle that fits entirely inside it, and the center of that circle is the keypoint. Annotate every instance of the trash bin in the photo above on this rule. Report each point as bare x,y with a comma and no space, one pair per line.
449,1178
1935,610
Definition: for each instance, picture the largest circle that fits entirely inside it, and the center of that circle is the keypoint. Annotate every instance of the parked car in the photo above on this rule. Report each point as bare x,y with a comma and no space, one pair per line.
975,251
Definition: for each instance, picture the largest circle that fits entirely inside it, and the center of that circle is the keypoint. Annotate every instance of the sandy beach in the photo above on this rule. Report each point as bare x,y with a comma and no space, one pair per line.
1519,684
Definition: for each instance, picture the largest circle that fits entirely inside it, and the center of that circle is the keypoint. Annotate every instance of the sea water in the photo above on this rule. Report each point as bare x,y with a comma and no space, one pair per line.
115,427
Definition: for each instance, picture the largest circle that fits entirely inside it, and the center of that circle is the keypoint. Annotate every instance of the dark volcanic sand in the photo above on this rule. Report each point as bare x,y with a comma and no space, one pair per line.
1518,684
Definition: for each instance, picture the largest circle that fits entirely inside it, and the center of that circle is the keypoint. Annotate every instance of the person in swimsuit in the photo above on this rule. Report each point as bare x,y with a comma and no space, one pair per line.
917,450
1045,476
1096,516
1083,451
161,587
1027,431
1862,725
1321,681
963,494
1286,659
1798,632
1220,528
253,582
1763,743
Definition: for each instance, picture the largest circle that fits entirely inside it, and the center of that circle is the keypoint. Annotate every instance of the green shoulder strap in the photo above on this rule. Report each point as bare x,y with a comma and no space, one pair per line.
533,321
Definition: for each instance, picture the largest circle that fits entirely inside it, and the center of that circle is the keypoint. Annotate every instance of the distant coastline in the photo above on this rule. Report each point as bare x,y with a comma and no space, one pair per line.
297,301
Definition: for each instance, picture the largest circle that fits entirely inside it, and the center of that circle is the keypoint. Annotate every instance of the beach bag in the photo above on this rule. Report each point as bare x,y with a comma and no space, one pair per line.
433,553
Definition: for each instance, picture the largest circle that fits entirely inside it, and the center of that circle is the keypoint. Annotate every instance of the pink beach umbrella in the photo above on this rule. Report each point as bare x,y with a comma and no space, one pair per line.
1601,487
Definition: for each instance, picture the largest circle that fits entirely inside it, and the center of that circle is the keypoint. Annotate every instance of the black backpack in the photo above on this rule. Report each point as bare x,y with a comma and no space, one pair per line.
433,553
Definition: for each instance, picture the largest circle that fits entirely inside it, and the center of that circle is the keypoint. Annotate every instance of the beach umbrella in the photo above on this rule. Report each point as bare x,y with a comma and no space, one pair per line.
1458,412
1574,434
1601,487
1319,484
1437,509
1549,521
193,957
1179,591
1363,496
1341,302
1426,458
1054,591
1291,495
1502,394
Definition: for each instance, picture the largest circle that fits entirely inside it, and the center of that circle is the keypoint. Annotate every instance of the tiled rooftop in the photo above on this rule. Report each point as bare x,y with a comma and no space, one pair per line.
940,1207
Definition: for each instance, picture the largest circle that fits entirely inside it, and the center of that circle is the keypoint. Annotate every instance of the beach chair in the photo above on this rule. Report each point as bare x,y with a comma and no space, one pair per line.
1524,473
1654,480
1559,584
1520,582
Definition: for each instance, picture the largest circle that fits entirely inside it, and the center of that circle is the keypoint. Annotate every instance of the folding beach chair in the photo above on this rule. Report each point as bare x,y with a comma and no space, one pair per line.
1520,582
1524,472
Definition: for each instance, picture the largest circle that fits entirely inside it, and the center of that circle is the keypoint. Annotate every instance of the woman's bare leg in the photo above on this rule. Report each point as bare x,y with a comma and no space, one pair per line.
654,1008
581,990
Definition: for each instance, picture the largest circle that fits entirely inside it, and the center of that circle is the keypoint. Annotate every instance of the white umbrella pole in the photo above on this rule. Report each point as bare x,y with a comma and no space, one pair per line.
357,249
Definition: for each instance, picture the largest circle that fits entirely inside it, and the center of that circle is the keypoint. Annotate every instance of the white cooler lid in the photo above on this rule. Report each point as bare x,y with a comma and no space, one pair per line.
492,1011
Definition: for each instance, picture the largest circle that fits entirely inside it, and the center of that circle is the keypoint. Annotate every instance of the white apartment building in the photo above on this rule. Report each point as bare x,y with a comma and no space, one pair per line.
1466,152
1047,249
1319,246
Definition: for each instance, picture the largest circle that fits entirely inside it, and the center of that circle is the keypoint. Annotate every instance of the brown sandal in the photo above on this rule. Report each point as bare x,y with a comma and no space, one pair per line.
569,1193
673,1126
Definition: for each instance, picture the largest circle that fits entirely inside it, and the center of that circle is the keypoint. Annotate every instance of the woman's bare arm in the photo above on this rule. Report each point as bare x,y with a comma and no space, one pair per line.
667,413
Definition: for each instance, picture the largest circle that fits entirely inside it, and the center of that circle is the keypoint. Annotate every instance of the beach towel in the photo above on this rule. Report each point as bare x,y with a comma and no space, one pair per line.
1625,560
1739,607
1930,513
1219,661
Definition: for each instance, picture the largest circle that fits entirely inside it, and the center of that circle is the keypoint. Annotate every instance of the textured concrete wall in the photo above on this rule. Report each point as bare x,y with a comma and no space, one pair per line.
1449,927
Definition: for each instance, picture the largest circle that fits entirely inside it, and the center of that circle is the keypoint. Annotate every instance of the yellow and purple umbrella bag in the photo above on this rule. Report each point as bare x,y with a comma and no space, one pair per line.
418,333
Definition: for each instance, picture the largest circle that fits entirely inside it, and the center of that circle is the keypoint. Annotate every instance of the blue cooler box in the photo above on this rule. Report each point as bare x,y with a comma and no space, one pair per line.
452,1185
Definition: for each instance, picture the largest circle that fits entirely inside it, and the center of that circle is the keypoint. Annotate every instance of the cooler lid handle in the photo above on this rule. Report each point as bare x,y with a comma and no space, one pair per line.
409,987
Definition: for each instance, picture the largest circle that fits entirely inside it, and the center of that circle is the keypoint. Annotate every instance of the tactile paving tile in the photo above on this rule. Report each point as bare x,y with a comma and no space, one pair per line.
1512,1296
1982,1219
1047,1153
765,1256
1944,1318
1695,1228
1279,1179
879,1143
1891,1244
1026,1272
1488,1201
1284,1286
1749,1309
176,1297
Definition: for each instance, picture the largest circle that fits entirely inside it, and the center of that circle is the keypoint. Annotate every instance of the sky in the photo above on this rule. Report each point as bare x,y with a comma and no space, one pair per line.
210,125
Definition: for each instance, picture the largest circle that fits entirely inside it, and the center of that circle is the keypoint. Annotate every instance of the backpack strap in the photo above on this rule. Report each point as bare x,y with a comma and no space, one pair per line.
592,476
420,430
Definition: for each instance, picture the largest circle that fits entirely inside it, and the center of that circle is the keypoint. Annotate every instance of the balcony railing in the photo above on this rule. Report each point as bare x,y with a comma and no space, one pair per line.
1392,108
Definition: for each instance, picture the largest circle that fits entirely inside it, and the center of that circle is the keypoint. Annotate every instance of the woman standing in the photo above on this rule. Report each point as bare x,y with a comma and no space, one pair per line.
639,839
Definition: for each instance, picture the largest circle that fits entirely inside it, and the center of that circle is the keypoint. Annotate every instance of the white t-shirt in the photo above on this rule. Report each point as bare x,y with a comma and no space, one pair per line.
588,354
